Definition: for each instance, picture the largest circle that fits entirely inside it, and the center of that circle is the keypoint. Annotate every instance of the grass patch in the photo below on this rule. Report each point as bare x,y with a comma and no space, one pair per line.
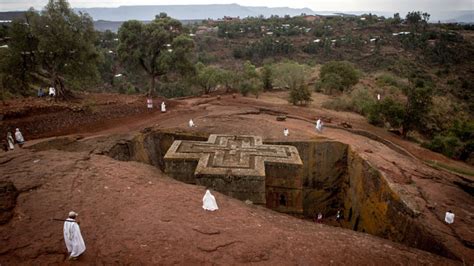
439,166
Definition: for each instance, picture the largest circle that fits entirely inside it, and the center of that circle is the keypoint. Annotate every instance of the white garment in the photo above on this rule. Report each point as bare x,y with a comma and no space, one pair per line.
149,103
163,107
52,91
319,125
73,238
449,218
378,96
191,123
19,137
286,132
209,202
11,142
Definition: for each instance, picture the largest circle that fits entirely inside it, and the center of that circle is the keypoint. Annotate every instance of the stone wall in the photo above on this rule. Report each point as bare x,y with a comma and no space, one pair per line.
333,177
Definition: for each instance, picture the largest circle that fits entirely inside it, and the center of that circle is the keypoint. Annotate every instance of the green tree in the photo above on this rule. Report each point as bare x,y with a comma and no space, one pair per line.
396,18
339,75
418,104
208,77
249,80
54,46
18,61
65,52
294,76
156,48
267,77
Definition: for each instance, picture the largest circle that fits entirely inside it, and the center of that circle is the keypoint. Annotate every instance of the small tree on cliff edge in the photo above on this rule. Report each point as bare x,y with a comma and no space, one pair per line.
156,48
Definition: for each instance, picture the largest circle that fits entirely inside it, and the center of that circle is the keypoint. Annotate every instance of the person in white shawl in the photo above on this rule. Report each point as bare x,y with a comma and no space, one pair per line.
319,125
19,137
209,202
11,142
191,123
449,218
163,107
73,238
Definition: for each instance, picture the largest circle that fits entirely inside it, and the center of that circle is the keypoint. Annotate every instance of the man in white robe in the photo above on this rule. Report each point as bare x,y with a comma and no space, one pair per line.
149,103
286,132
11,142
449,218
163,107
191,123
73,238
319,125
209,202
19,138
52,92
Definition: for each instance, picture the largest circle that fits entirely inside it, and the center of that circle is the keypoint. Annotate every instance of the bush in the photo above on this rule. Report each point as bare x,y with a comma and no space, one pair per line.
300,95
176,89
447,145
360,100
457,142
388,80
331,83
340,75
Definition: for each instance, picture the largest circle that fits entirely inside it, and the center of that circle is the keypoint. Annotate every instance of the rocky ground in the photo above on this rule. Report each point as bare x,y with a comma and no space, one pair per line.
132,213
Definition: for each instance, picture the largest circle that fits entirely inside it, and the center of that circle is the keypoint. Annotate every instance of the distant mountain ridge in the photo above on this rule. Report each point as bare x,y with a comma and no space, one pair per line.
215,11
189,12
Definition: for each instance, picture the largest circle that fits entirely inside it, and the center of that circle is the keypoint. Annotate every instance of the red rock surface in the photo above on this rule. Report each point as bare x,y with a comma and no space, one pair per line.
162,222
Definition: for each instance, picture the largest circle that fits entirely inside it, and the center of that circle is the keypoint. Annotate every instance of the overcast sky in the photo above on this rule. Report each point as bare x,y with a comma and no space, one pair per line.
317,5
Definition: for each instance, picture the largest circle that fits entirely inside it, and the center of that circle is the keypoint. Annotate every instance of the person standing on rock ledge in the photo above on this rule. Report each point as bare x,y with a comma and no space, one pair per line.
11,142
163,107
19,138
319,126
73,238
286,132
449,218
191,123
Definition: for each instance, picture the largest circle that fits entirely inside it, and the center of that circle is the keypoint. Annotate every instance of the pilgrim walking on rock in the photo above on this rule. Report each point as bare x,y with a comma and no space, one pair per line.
209,202
72,236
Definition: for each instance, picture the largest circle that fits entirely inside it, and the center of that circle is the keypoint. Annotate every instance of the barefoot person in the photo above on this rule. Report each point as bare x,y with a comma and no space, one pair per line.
73,238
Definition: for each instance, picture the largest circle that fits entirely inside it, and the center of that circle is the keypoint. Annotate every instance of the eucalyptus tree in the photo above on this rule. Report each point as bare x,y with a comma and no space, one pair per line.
156,48
65,50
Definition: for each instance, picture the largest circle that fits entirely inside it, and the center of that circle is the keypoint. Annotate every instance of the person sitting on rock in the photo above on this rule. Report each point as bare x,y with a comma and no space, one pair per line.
52,92
73,238
449,218
19,138
209,202
191,123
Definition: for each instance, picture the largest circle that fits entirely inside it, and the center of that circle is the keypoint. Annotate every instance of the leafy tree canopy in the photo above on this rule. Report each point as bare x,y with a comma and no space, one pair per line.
156,48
